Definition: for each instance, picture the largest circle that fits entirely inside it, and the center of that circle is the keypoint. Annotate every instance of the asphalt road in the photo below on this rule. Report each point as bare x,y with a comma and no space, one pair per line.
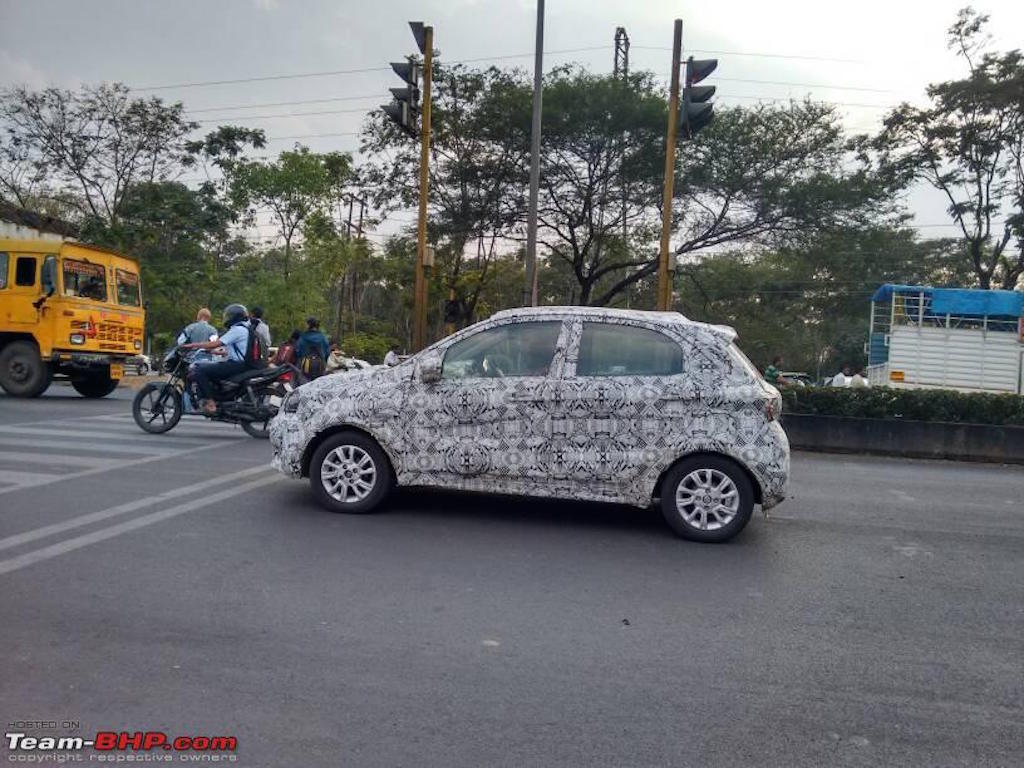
172,583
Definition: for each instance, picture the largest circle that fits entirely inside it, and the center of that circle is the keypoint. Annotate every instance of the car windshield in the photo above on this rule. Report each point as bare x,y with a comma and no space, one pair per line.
127,288
85,280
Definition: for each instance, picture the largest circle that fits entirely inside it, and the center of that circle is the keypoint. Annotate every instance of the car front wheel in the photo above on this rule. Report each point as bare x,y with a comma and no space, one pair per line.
350,473
707,498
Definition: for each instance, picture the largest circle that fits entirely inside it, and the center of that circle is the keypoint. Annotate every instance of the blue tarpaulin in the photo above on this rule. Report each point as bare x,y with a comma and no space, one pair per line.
961,301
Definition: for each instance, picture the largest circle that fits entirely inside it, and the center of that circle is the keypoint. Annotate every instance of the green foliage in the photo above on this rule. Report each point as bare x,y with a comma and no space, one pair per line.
88,147
370,347
295,187
969,145
910,404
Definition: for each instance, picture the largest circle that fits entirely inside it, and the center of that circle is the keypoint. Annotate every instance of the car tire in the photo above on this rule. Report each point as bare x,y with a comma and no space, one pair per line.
349,473
23,373
707,498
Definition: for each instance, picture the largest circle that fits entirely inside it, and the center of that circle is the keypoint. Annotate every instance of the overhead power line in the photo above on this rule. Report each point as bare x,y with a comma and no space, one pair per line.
285,103
754,53
243,118
362,70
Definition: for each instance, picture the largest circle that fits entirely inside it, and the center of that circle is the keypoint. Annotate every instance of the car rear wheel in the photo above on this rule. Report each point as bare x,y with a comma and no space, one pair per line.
707,498
350,473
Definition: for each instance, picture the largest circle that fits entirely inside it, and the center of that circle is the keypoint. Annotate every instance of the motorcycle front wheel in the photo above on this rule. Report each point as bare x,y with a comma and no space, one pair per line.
157,408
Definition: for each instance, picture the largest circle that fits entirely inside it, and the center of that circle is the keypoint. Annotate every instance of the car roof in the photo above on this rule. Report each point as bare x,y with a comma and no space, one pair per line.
607,313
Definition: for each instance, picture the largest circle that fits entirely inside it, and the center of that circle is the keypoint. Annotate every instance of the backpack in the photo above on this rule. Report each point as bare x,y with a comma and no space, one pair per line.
312,363
255,349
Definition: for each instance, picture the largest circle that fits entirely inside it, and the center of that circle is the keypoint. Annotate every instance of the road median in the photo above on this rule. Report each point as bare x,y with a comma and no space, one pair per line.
904,437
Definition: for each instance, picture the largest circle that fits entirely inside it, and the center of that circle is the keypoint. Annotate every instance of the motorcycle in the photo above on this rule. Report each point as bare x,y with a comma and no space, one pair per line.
250,398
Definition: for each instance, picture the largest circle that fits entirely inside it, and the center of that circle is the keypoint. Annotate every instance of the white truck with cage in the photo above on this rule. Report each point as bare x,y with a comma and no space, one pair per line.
947,338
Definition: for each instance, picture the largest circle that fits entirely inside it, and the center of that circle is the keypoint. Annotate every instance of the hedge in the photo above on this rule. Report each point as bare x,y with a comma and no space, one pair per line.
913,404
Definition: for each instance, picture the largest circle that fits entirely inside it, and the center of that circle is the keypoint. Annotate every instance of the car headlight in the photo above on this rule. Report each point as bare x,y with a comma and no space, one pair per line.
138,344
77,338
291,402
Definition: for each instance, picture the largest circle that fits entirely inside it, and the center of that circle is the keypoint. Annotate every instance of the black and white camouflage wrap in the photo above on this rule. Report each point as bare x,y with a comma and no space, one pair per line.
604,438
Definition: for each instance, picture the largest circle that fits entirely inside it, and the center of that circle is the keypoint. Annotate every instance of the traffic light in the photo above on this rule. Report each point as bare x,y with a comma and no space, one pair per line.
696,111
405,106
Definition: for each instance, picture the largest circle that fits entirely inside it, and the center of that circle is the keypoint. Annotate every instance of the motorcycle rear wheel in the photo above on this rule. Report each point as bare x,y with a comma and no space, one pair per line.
261,429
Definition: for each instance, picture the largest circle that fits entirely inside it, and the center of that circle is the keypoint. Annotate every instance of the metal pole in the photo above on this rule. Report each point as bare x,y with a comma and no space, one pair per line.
420,298
664,281
530,287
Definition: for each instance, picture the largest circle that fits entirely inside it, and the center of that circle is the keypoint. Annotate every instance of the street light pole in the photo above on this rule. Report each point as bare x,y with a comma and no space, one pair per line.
664,278
530,286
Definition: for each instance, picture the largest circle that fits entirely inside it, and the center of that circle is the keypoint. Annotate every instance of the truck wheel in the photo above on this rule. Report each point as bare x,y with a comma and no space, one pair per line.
95,386
22,371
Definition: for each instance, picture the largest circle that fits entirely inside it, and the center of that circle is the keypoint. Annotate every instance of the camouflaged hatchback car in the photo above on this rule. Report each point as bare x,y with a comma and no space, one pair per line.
576,403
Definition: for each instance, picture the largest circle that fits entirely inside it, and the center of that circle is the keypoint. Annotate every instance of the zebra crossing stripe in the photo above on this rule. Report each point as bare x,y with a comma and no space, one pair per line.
70,545
121,509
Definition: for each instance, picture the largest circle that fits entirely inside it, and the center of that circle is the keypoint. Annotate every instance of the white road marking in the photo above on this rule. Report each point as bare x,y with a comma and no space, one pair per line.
60,459
70,545
126,463
26,479
103,447
68,434
120,509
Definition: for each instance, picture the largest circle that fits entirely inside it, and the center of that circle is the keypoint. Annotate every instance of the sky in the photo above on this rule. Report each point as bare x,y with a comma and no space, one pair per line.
865,56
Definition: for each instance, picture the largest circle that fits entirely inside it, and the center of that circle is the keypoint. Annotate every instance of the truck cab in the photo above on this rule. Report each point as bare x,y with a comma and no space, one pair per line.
67,310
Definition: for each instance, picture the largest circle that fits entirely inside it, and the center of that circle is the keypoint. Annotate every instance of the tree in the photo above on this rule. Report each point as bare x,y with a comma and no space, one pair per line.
602,161
177,235
479,151
758,176
294,187
88,148
810,302
968,145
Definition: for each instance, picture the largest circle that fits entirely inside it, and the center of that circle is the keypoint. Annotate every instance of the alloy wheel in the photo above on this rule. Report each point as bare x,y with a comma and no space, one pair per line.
348,474
707,499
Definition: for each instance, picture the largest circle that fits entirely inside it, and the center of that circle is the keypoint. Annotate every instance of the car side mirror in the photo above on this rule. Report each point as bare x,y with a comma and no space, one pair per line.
430,367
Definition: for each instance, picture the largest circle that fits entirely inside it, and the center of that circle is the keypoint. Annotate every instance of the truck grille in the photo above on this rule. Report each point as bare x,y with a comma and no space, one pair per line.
111,336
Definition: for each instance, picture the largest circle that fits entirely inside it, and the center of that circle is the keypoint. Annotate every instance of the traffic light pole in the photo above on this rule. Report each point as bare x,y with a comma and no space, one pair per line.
530,286
664,278
420,297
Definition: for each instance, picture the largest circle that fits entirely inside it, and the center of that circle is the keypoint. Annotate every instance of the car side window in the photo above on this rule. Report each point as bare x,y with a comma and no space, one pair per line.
5,262
25,270
515,349
624,350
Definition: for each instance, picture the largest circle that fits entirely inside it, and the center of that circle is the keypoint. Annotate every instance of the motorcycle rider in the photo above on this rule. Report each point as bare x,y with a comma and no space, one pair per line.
234,340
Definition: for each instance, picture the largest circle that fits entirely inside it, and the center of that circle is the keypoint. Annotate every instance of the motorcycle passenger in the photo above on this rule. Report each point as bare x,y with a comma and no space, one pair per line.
234,340
200,330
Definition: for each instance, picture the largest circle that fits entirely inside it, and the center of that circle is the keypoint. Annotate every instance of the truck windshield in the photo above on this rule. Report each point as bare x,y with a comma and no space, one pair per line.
127,288
85,280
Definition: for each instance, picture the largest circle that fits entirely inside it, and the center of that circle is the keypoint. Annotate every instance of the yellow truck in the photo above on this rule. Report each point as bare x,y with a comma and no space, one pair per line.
66,310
